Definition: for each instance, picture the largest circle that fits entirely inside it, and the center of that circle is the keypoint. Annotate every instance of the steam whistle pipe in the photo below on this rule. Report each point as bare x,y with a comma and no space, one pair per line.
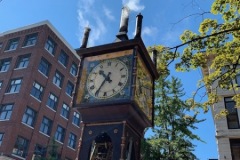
85,37
124,20
154,53
138,29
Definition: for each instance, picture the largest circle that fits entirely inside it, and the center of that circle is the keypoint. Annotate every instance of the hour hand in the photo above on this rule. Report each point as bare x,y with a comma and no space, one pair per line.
106,77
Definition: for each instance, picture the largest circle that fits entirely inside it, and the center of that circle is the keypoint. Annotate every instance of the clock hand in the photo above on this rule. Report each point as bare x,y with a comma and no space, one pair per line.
106,78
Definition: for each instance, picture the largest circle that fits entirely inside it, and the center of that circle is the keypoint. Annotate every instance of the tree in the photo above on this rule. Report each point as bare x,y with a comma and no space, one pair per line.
53,150
217,44
172,134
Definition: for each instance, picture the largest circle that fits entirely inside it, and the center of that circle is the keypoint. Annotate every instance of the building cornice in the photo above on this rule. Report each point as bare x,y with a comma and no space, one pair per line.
46,22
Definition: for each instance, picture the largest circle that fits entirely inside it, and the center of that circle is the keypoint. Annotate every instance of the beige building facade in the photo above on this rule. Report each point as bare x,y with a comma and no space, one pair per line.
228,127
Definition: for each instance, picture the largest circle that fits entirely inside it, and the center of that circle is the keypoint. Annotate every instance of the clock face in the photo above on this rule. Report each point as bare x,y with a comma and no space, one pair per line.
107,79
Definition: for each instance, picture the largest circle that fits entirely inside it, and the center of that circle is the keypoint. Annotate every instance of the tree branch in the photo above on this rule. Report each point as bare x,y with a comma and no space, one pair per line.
207,36
194,14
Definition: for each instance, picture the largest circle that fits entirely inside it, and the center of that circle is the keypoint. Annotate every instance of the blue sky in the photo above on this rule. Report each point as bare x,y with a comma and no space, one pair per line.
163,23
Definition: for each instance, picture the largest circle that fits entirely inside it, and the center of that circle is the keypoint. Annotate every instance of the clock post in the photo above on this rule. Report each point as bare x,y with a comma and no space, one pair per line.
114,94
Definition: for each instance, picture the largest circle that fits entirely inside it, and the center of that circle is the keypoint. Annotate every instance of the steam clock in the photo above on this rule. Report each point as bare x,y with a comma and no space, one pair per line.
114,95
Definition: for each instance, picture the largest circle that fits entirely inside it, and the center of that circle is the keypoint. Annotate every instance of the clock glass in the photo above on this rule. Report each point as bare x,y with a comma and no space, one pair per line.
107,79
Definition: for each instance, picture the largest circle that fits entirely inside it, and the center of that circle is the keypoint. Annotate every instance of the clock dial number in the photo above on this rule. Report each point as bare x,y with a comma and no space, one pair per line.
107,79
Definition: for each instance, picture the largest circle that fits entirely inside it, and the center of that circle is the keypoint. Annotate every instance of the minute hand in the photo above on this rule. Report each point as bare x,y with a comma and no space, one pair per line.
106,78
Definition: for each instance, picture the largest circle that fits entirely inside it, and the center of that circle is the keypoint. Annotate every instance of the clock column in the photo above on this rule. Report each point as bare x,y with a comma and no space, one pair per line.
113,83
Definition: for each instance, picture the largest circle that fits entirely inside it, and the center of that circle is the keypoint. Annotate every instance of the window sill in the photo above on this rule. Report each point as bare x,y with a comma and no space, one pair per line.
71,148
2,120
62,64
73,75
64,117
51,108
14,155
58,141
27,125
49,52
10,50
57,86
68,95
44,134
43,74
28,46
76,125
35,98
19,68
10,93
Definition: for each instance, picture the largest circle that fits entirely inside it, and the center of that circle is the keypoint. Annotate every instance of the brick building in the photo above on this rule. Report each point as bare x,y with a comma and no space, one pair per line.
227,128
38,70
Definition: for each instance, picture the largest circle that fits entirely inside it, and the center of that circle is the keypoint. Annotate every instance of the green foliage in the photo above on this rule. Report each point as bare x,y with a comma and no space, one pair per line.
172,134
53,150
214,48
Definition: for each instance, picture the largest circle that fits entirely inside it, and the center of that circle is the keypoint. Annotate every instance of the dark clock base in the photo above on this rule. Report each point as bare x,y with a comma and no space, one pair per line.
109,141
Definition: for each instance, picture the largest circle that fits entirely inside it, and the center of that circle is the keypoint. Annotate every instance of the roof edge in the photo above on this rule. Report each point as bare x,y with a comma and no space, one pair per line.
49,24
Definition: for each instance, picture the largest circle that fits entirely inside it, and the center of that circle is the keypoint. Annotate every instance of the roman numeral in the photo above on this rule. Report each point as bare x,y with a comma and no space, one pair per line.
120,83
113,91
92,87
123,76
121,69
105,94
109,63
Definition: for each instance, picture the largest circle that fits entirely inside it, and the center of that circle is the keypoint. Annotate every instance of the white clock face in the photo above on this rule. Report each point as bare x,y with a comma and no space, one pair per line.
107,79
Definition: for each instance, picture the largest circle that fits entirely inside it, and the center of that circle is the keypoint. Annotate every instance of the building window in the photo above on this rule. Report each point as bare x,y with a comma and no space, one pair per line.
235,148
58,79
1,138
23,61
1,44
29,116
14,86
21,147
4,64
65,110
37,91
46,126
44,67
69,89
76,118
52,101
1,83
6,111
237,79
12,44
30,40
73,69
72,140
232,117
40,151
50,46
63,58
59,135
